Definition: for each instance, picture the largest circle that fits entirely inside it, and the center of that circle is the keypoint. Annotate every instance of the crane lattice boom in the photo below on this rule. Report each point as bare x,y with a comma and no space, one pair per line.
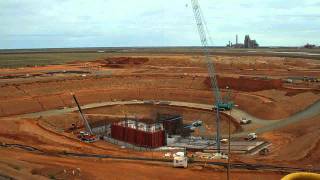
203,32
204,41
82,116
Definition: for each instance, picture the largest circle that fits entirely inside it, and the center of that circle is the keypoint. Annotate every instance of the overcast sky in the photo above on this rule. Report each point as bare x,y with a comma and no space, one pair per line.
105,23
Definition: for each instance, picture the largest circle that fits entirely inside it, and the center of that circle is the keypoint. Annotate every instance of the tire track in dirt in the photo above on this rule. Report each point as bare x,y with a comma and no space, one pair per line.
31,97
313,151
40,103
262,98
22,90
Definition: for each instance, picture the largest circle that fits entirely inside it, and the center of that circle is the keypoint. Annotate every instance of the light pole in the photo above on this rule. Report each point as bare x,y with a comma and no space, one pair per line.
229,142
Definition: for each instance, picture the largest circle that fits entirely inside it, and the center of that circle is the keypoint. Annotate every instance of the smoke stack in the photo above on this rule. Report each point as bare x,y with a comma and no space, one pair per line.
237,39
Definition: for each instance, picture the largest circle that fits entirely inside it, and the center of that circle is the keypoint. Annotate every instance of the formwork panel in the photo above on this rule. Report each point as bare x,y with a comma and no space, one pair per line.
131,135
138,137
117,132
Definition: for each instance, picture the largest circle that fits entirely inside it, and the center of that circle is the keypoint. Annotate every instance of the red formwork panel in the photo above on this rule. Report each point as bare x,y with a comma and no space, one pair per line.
158,139
122,134
148,137
154,142
144,139
125,134
155,139
117,132
114,131
138,137
163,138
131,135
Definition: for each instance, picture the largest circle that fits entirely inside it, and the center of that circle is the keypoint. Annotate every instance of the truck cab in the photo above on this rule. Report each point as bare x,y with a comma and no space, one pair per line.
251,136
244,120
180,160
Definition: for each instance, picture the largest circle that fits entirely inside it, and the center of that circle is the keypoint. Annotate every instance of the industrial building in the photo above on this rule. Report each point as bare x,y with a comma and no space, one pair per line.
248,43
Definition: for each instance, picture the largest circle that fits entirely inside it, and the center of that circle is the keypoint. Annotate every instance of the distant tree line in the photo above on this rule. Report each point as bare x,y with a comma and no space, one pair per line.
310,46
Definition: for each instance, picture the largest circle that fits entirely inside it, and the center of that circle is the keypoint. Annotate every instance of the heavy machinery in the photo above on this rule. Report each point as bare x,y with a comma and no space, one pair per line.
180,160
204,36
244,120
85,136
264,151
251,137
227,103
197,123
193,125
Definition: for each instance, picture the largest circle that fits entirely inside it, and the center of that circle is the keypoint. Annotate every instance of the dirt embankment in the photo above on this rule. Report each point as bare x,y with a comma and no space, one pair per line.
122,62
45,95
298,144
278,106
247,84
178,78
27,97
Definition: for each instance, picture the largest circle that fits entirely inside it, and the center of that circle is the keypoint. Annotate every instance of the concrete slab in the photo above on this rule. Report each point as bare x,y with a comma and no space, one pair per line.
235,146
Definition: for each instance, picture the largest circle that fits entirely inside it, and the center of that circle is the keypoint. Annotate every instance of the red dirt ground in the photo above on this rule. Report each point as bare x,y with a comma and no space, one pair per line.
32,166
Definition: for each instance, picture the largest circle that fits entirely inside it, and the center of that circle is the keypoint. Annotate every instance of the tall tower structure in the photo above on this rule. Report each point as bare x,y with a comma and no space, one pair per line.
237,39
247,41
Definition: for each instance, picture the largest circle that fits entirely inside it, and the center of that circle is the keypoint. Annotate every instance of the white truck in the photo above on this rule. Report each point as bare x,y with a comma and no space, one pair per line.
224,141
180,160
197,123
251,136
245,121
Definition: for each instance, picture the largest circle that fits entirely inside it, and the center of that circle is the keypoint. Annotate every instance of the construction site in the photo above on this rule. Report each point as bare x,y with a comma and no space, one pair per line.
160,113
